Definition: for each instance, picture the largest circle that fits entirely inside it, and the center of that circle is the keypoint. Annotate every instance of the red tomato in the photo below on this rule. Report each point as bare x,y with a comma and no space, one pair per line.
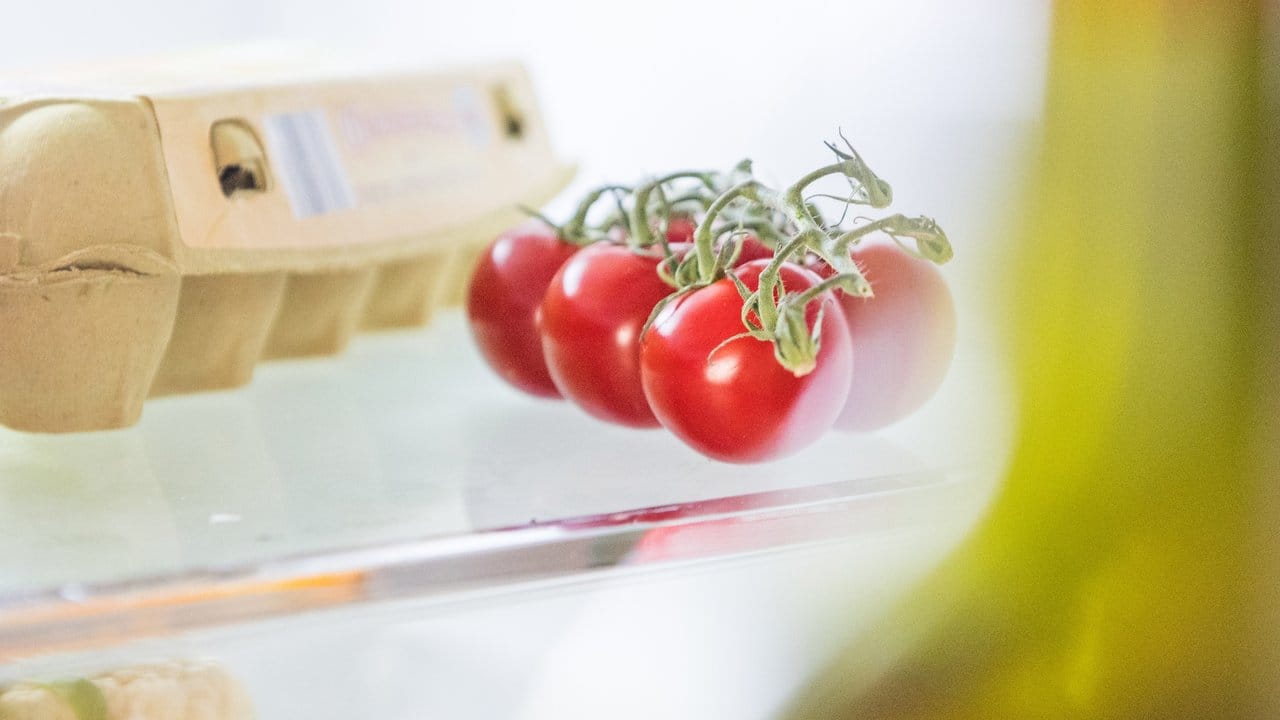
502,304
904,336
739,404
753,249
680,229
590,323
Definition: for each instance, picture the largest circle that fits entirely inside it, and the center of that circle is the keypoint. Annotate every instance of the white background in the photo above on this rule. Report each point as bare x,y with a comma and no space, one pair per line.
633,87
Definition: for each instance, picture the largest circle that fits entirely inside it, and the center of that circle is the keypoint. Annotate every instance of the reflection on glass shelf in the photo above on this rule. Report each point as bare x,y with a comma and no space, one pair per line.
400,455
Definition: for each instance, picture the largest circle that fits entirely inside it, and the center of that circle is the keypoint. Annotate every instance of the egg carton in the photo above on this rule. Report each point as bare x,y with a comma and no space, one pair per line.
163,234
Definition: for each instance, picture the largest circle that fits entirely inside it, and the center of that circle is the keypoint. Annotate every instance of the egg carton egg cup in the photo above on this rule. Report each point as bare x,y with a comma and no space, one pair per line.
164,237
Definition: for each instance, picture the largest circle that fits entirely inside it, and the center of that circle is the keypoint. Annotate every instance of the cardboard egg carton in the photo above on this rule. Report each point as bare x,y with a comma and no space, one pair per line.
165,234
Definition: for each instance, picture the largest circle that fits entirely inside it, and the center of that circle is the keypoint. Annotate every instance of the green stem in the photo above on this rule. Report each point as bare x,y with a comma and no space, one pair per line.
704,241
812,235
843,242
793,203
691,197
574,230
830,249
766,303
835,282
763,230
931,242
641,234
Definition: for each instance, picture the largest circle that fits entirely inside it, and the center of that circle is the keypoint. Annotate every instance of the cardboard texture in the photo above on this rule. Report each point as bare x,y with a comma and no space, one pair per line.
406,292
159,239
320,313
239,311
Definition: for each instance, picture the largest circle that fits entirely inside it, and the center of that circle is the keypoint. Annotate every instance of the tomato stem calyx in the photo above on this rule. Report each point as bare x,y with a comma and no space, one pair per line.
641,235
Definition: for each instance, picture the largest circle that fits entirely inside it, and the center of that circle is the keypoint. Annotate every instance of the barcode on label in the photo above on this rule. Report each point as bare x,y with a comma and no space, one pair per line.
306,161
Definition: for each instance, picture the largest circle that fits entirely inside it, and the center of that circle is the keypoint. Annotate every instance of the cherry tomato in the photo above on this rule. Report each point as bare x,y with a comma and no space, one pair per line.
737,403
753,249
502,303
680,229
904,336
590,323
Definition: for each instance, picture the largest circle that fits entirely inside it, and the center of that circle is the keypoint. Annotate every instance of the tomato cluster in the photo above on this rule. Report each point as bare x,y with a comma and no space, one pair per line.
731,314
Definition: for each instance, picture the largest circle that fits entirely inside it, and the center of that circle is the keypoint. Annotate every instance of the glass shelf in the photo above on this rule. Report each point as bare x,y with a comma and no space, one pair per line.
403,469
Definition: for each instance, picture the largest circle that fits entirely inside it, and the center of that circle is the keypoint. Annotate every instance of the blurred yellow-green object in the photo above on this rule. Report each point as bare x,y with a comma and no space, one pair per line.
1129,566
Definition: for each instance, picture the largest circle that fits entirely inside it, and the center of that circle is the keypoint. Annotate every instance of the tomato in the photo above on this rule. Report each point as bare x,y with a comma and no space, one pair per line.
680,229
753,249
502,303
904,336
590,323
739,404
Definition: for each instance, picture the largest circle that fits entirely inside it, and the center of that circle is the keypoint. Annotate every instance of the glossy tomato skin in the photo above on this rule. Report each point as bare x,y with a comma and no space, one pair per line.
905,336
753,249
506,291
590,324
738,404
680,229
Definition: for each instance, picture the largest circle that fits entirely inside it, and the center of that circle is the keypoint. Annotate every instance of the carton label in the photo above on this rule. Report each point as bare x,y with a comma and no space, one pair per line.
305,158
348,163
